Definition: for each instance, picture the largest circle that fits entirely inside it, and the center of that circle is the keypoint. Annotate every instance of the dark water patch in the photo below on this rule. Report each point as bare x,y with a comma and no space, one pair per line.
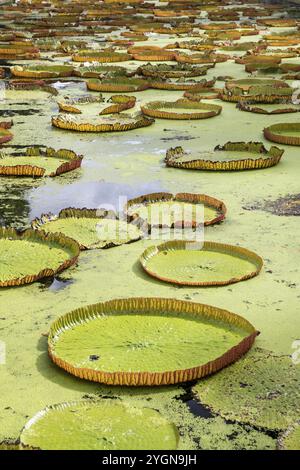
113,196
194,405
19,112
55,284
284,206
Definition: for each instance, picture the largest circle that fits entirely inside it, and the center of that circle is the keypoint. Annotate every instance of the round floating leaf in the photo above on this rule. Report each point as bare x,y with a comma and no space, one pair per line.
38,162
42,71
193,264
180,84
118,84
173,71
97,105
290,439
229,157
275,106
81,123
91,228
94,71
99,425
148,341
165,209
284,133
28,256
101,56
262,389
181,109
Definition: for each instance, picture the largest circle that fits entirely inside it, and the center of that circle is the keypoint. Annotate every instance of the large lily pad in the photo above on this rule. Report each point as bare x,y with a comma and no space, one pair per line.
95,71
181,109
195,264
276,106
229,157
165,209
39,162
179,84
290,439
174,70
96,105
284,133
101,56
118,84
148,341
262,389
81,123
31,255
42,71
91,228
99,425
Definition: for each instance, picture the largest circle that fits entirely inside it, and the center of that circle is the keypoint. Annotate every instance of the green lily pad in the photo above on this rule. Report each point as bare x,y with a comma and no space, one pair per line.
94,71
261,389
181,109
165,209
96,105
284,133
290,439
82,123
38,162
228,157
42,71
91,228
31,255
150,341
191,264
99,425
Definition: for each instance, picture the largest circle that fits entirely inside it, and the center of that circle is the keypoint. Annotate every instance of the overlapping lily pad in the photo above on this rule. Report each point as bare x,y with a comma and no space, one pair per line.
262,389
82,123
191,264
180,109
118,84
148,341
91,228
275,106
165,209
284,133
231,156
98,105
28,256
103,424
174,70
39,162
95,71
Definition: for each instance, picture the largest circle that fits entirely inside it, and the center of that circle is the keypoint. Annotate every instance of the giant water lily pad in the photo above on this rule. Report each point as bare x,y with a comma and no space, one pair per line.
95,71
42,71
276,106
262,389
117,84
284,133
91,228
96,105
99,424
82,123
165,209
31,255
38,162
181,109
228,157
290,439
173,70
101,56
195,264
147,341
161,83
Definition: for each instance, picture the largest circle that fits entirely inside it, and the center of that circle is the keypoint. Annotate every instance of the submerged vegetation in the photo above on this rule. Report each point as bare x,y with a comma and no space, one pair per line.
74,78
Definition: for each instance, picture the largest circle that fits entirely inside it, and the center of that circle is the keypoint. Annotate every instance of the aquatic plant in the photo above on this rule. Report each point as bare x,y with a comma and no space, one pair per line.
101,56
261,389
274,106
231,156
180,109
91,228
108,425
284,133
193,264
114,104
31,255
118,84
5,136
81,123
290,439
42,71
141,207
154,341
39,162
174,70
96,71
